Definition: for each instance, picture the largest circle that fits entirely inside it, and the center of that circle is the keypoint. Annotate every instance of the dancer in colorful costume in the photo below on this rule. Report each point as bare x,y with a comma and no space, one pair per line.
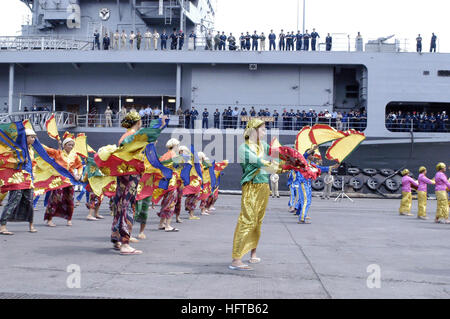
406,202
255,193
208,182
215,183
441,189
305,181
61,200
293,185
16,176
193,190
422,191
127,163
172,196
98,186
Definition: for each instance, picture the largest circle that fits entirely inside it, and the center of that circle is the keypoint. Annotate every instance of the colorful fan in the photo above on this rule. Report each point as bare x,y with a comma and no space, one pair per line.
321,134
343,147
52,128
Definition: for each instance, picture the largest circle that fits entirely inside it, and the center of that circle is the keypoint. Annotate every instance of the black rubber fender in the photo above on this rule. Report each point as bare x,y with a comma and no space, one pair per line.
318,184
373,183
356,182
353,171
370,171
386,172
391,184
337,183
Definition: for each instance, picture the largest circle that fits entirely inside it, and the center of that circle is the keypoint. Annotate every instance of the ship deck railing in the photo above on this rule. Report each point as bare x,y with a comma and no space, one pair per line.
180,121
417,126
342,42
64,120
27,43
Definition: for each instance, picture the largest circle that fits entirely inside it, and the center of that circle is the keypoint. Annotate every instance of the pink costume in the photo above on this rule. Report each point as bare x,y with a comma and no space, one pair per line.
407,181
423,183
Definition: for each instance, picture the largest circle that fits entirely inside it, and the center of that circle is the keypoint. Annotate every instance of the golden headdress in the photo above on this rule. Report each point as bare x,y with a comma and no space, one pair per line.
440,166
405,172
422,169
130,119
253,124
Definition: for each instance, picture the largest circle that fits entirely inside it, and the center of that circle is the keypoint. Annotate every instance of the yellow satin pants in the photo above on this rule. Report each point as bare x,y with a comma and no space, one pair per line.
442,205
406,203
253,208
2,196
422,204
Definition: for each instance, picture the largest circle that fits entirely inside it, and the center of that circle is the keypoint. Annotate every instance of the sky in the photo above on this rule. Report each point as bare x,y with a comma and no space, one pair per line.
373,18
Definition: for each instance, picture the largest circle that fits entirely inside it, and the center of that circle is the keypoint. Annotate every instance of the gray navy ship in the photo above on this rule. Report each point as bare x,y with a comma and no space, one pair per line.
55,65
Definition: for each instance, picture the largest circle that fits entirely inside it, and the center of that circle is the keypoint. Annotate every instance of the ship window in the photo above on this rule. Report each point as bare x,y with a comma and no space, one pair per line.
444,73
418,117
426,72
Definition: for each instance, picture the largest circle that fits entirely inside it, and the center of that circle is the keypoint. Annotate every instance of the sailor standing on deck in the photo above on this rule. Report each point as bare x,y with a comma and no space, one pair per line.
217,119
180,40
289,43
194,114
164,38
106,42
209,39
123,38
247,41
243,123
255,38
242,40
262,38
223,40
138,40
231,43
96,40
205,116
419,44
298,39
148,39
314,36
306,38
192,38
132,38
217,41
272,38
174,40
116,37
433,43
281,44
329,42
155,38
